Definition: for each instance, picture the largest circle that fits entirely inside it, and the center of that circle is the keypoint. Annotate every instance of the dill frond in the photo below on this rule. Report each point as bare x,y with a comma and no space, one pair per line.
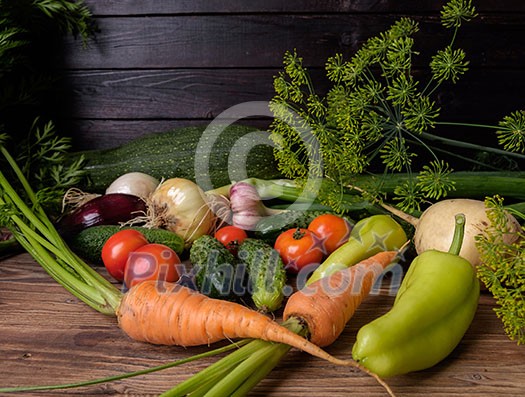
511,134
502,268
375,117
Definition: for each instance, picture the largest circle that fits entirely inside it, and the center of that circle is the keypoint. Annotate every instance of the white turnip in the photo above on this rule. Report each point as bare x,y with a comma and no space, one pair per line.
435,227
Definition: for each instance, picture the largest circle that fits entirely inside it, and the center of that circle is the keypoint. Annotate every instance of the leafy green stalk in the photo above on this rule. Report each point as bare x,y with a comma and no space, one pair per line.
219,369
465,184
36,233
241,370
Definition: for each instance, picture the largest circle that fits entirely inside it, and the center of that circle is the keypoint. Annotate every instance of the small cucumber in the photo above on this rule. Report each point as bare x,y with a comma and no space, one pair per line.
89,242
214,267
267,277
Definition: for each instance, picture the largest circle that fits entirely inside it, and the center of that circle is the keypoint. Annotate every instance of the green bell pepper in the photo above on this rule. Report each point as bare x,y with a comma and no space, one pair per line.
433,309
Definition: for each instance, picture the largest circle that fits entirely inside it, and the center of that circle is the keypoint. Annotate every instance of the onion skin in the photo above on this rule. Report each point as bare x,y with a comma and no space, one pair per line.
180,205
108,209
136,183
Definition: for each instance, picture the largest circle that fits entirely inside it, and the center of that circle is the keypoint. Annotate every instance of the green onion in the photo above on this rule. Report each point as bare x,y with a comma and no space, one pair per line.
36,233
238,372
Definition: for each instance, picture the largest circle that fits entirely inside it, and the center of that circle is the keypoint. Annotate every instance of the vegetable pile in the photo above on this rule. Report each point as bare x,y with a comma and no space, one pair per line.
192,267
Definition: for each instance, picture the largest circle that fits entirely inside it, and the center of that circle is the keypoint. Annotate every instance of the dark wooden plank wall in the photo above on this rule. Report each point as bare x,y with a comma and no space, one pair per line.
159,64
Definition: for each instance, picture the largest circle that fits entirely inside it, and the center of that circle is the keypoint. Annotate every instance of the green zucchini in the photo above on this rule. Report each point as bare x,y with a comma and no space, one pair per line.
214,267
173,154
89,242
266,274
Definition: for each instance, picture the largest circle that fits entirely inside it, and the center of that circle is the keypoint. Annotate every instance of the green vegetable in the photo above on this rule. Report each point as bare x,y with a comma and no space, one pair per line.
252,362
214,267
266,273
378,118
368,237
88,243
35,232
432,311
174,154
502,265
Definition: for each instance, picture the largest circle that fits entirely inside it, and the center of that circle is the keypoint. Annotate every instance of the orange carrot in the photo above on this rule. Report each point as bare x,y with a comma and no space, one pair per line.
172,314
327,304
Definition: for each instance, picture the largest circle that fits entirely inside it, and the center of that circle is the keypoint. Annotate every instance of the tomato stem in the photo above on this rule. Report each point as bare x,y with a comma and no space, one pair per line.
299,234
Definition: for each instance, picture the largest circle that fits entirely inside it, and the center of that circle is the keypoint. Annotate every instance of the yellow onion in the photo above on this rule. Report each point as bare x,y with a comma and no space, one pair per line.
180,205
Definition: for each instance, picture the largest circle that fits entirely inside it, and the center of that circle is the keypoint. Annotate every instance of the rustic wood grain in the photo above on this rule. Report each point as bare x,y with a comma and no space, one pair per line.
47,336
108,107
161,7
205,93
246,40
160,64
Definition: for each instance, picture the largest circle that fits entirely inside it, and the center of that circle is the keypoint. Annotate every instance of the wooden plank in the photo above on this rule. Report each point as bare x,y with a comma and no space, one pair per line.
49,337
162,7
259,41
205,93
106,108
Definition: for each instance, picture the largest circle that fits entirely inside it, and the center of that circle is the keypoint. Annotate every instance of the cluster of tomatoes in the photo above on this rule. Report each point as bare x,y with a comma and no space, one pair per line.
129,257
299,247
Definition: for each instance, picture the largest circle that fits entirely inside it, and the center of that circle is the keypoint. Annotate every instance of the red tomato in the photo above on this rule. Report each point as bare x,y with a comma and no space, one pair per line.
298,248
117,248
333,231
231,237
152,262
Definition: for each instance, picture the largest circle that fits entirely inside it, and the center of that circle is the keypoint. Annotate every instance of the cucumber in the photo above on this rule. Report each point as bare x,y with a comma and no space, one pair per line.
89,242
266,274
214,267
173,153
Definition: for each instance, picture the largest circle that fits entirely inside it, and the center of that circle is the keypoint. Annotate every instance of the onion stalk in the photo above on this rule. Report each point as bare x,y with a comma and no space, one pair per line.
467,184
36,233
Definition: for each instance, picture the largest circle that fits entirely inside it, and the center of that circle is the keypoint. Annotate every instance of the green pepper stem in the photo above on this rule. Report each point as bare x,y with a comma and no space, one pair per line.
459,232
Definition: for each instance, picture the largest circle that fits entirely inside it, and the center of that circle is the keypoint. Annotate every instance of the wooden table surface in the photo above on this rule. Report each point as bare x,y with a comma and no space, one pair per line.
47,337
